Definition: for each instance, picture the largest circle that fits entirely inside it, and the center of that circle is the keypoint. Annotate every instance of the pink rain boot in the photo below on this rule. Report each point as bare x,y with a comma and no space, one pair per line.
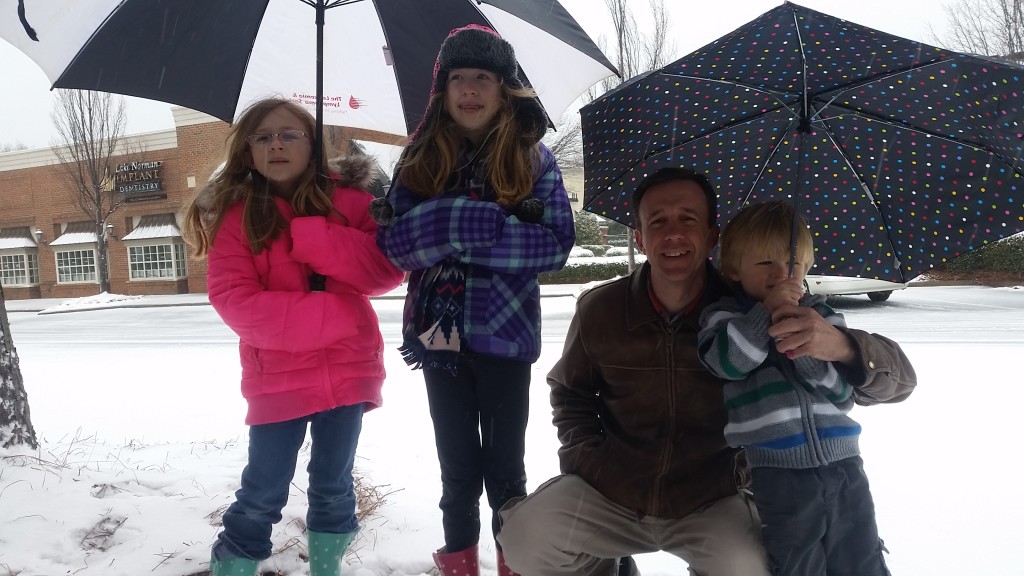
462,563
503,569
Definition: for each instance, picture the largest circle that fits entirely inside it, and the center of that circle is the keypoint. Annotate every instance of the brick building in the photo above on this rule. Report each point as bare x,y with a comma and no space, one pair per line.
48,248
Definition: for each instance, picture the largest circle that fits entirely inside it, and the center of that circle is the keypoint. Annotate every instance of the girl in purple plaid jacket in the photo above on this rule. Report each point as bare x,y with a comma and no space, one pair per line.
477,210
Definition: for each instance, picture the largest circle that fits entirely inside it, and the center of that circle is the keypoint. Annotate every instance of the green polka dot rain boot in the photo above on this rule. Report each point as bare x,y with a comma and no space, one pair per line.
233,566
326,552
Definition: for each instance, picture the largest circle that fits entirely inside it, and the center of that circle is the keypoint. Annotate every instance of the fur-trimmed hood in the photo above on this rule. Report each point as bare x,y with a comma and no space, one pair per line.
353,171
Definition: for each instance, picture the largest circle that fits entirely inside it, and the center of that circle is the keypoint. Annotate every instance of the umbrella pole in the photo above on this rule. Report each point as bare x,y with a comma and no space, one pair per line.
317,282
321,9
795,224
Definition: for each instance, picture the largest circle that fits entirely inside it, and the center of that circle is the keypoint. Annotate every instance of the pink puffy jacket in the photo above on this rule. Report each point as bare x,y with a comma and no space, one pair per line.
304,352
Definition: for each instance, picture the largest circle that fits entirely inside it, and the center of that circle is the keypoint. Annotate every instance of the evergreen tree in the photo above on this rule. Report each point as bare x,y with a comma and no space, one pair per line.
587,230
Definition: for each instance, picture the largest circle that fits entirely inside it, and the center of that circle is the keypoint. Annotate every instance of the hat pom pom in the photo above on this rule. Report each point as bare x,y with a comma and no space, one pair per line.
530,210
381,211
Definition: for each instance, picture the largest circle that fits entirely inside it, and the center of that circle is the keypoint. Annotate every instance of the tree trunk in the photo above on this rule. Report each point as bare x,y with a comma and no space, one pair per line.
631,248
15,421
104,268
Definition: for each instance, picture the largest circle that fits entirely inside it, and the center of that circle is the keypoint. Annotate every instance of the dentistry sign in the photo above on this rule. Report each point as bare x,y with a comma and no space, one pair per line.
139,181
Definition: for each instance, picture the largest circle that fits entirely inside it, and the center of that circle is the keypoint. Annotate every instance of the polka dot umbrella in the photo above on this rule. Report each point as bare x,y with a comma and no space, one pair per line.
900,155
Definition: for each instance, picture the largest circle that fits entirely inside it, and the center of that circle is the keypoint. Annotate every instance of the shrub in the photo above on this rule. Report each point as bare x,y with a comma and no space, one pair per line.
598,249
584,270
587,230
577,273
580,252
619,251
1007,255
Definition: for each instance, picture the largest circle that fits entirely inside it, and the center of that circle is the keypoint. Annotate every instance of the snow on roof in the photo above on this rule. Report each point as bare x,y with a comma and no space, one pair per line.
76,233
155,226
16,237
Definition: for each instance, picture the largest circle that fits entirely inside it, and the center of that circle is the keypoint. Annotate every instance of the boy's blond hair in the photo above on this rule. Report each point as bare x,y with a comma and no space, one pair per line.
764,229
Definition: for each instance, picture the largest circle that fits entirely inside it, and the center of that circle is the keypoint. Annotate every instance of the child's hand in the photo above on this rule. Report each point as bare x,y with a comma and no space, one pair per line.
529,210
786,293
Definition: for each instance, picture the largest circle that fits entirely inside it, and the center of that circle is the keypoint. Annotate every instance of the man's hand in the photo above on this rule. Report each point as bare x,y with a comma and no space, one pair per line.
800,331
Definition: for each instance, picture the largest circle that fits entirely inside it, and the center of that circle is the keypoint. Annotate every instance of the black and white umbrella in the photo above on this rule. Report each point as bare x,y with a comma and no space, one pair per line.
370,60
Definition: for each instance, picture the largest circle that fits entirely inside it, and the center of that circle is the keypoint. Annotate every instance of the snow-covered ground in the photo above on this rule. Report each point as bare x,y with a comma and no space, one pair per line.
140,420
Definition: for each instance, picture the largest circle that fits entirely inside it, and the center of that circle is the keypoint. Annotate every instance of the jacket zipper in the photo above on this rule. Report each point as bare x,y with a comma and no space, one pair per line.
667,453
806,401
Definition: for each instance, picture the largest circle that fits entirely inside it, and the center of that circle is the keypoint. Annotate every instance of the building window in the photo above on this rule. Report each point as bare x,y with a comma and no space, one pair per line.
179,260
76,266
157,261
19,269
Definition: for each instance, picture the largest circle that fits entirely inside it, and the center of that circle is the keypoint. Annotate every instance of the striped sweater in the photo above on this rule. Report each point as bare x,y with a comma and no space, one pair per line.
784,413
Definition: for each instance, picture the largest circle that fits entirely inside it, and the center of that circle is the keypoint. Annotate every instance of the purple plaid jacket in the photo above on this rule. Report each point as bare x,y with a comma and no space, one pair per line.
502,256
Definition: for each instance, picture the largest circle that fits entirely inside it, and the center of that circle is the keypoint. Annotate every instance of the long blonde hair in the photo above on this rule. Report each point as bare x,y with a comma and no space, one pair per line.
509,154
239,181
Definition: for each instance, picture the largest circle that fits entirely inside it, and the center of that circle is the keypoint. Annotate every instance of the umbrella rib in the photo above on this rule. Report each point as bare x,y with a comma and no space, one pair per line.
805,116
779,95
764,166
870,196
646,154
894,122
782,104
843,88
332,4
910,128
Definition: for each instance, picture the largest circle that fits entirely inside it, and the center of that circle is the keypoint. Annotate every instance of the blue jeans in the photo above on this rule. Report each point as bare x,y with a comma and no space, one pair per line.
273,452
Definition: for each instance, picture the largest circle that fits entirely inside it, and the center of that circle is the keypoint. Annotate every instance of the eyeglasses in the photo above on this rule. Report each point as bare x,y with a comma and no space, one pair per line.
287,138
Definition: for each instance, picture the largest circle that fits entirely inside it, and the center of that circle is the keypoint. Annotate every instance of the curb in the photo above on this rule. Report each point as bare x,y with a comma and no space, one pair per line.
45,311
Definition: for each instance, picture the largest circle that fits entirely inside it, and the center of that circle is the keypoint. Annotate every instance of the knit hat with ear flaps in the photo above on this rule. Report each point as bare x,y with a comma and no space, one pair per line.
480,47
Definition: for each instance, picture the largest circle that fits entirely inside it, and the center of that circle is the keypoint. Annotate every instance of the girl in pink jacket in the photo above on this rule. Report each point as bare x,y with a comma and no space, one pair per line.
292,261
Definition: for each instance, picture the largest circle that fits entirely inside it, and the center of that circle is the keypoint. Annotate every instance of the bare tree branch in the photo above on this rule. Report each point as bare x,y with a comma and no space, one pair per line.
565,142
90,128
637,50
987,27
659,48
13,147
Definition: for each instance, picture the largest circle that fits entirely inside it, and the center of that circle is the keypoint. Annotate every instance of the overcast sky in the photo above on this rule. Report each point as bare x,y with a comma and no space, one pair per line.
26,101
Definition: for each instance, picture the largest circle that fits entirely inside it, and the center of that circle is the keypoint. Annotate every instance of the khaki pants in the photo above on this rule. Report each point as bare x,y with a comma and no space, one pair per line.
568,527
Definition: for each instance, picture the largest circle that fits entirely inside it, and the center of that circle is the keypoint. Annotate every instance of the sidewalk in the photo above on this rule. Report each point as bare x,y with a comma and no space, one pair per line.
52,305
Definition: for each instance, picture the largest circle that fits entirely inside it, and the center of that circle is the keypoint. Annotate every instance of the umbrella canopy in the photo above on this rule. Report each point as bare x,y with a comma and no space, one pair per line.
376,57
901,155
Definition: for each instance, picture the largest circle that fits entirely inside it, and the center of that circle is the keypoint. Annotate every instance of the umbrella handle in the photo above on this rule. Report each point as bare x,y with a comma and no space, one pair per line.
317,282
793,235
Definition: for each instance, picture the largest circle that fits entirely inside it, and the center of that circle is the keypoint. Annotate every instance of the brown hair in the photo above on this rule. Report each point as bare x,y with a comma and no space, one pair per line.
764,229
676,174
237,180
509,151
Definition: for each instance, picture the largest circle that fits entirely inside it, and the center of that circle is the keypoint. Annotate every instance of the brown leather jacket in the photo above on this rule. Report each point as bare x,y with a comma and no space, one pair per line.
641,420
